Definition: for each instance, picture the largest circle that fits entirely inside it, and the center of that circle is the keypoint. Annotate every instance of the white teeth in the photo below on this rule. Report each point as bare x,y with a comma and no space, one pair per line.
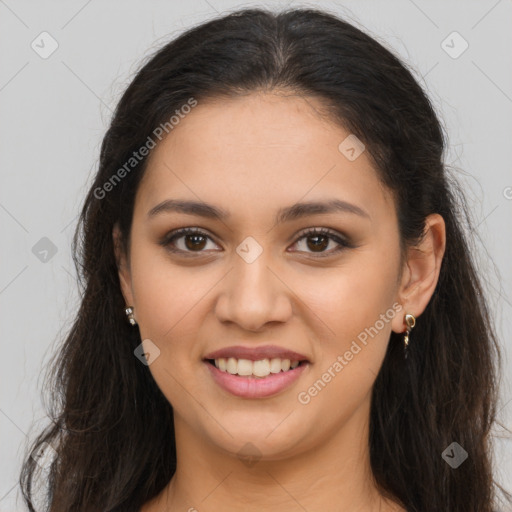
275,365
261,368
244,367
232,365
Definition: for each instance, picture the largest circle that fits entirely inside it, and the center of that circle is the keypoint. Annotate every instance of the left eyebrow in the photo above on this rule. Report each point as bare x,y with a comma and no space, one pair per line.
283,215
299,210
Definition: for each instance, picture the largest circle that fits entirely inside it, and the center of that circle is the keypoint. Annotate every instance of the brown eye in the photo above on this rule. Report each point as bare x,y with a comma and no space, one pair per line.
318,240
186,240
193,242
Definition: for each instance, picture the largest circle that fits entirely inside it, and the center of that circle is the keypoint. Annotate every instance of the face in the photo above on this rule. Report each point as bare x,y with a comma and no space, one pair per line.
320,282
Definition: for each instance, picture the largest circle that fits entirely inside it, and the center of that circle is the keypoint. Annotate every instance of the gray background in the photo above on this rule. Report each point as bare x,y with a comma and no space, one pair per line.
55,110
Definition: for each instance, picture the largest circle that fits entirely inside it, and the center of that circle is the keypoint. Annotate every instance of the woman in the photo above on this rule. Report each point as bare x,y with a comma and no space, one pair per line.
280,310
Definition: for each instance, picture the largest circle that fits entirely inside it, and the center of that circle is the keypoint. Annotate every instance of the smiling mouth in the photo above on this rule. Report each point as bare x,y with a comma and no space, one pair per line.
255,369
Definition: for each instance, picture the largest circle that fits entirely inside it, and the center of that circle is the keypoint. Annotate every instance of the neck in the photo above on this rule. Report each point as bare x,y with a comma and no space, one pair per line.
334,474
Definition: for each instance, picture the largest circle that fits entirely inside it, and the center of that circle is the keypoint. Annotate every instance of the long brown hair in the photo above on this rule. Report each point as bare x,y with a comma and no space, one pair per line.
112,428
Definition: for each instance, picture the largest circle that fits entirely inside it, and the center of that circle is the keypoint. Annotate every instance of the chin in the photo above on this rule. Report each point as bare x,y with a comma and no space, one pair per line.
255,440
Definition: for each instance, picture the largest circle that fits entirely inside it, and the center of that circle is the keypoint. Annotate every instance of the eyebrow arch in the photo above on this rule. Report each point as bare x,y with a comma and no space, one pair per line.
283,215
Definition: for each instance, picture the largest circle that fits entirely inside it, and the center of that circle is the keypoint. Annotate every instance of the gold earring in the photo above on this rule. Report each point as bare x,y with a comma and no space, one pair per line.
129,314
410,322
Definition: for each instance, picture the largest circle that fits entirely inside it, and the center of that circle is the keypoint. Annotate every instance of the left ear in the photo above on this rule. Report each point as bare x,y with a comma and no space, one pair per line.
421,272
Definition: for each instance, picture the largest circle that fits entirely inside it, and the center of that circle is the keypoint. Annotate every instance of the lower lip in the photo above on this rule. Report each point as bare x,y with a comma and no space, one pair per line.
255,387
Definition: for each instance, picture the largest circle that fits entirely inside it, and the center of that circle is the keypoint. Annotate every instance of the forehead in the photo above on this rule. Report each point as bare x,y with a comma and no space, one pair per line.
269,149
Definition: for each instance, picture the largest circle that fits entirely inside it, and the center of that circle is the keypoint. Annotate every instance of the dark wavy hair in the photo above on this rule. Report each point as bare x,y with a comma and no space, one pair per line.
112,427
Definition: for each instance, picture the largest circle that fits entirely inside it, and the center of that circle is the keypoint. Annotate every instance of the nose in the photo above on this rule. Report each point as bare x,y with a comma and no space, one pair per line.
253,295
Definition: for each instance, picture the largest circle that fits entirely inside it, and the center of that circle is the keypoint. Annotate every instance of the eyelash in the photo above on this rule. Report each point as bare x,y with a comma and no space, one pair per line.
332,235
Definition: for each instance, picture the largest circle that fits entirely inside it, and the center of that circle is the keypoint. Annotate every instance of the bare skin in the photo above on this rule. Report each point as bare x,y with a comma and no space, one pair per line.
252,156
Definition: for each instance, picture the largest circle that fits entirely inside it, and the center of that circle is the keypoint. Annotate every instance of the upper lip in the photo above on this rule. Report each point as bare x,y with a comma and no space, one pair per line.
256,353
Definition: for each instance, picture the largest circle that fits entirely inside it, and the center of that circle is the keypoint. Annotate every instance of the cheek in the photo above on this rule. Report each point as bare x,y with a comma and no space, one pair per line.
356,304
348,359
164,293
168,299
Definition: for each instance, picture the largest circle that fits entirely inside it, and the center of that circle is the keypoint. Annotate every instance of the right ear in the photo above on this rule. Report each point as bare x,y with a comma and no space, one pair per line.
123,266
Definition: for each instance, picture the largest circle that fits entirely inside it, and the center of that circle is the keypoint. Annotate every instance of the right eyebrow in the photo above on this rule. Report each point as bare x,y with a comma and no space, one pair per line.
198,208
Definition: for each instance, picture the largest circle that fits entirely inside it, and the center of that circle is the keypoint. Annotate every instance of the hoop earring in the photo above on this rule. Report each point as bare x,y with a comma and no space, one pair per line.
129,314
410,322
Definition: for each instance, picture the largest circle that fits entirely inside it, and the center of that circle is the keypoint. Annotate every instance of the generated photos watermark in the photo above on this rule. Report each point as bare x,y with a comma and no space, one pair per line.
159,133
305,397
